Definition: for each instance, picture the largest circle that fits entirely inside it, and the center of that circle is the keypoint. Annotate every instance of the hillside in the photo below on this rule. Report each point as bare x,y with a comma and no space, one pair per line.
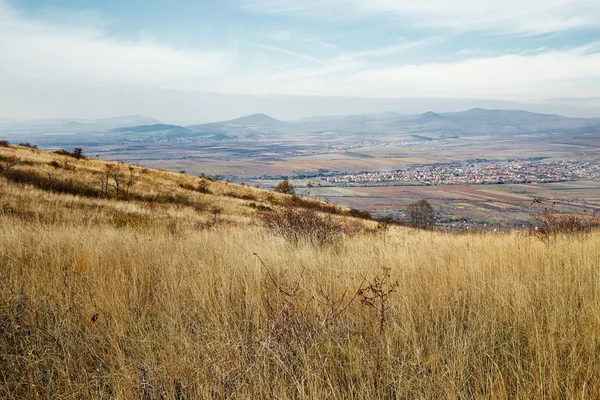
179,287
40,185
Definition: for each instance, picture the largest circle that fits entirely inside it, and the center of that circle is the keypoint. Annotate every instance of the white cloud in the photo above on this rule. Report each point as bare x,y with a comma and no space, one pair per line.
513,16
42,55
511,77
36,50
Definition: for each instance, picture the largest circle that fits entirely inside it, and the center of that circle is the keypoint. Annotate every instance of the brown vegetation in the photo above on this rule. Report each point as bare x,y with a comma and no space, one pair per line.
192,297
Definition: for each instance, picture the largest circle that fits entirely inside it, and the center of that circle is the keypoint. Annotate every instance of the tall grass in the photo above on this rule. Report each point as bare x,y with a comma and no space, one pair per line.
195,315
107,298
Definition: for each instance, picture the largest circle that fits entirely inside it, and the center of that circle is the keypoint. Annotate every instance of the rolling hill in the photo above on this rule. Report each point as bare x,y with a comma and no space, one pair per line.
125,282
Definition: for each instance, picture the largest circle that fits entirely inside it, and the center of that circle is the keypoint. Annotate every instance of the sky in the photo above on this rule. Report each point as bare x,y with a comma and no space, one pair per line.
197,60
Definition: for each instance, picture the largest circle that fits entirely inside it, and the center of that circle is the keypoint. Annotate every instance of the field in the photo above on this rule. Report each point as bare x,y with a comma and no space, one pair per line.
498,206
265,162
171,292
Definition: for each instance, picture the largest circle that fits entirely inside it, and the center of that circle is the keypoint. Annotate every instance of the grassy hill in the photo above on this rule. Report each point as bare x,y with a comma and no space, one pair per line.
180,287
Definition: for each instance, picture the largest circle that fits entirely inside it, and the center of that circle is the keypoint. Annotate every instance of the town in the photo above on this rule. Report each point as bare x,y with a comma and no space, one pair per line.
478,173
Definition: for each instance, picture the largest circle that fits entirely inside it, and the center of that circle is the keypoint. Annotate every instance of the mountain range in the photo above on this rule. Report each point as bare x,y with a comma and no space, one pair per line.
466,123
426,126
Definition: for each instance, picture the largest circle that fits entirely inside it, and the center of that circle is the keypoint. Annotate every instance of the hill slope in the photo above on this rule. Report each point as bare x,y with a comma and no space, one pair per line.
36,183
174,289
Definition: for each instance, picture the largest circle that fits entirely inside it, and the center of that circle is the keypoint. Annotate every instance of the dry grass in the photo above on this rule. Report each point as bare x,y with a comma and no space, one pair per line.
190,312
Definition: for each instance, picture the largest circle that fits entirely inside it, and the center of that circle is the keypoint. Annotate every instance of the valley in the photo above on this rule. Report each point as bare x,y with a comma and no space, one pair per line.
375,162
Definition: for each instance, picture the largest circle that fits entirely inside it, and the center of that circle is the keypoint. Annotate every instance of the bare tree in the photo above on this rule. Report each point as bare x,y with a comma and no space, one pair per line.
118,178
420,215
131,180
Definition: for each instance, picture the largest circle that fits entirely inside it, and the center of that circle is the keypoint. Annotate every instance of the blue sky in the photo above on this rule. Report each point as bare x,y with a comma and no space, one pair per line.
527,51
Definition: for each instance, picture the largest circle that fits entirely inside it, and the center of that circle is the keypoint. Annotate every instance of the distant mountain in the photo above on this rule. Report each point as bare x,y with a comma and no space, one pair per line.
251,126
388,126
152,128
480,121
256,120
131,120
476,121
427,117
71,125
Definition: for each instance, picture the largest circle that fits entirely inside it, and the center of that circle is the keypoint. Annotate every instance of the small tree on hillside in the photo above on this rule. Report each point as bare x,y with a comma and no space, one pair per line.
285,187
420,215
78,153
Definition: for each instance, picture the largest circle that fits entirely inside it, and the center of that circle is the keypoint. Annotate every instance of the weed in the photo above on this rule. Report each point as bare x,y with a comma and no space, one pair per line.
376,295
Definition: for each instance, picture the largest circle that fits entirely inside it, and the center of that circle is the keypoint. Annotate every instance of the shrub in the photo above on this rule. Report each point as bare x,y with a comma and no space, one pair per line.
203,187
302,225
50,183
285,187
55,164
359,214
4,143
547,222
243,196
27,144
77,153
8,162
62,152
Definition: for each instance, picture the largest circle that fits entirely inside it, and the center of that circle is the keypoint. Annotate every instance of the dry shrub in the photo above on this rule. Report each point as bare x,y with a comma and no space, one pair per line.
359,214
285,187
203,187
548,222
302,225
50,183
241,196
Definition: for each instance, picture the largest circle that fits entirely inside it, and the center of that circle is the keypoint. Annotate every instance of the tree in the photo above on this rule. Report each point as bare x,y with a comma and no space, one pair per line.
285,187
78,153
420,215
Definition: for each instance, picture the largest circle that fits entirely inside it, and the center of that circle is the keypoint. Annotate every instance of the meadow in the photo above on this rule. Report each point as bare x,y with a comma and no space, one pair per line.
178,290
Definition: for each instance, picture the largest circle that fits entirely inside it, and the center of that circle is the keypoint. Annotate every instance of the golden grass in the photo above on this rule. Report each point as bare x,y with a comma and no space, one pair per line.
193,313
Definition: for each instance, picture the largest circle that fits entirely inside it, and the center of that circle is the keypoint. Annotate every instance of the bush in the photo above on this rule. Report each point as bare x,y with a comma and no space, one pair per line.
548,222
77,153
203,187
50,183
285,187
302,225
359,214
243,196
4,143
27,144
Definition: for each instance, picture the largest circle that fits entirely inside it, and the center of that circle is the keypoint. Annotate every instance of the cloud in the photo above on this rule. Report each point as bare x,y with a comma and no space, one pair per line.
43,54
33,49
285,51
506,16
523,77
